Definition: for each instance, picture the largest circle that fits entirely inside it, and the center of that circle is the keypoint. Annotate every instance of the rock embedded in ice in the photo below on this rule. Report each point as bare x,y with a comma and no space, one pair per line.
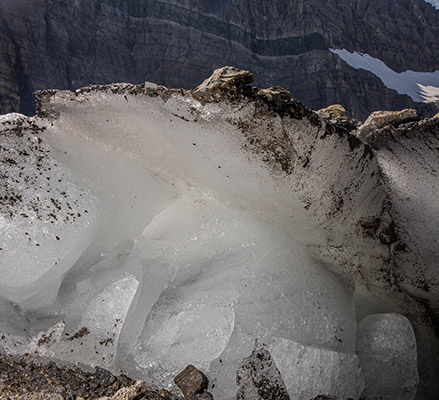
258,377
191,381
386,346
311,371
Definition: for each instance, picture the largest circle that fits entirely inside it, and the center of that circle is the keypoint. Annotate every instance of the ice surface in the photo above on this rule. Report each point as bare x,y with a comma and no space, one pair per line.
47,217
420,86
194,249
386,346
191,264
229,273
105,314
12,322
309,371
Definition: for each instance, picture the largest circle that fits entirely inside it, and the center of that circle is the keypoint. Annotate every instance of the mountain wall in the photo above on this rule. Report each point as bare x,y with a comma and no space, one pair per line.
69,44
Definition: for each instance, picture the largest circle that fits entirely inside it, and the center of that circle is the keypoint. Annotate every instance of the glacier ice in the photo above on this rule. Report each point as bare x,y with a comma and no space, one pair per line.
386,346
193,245
310,371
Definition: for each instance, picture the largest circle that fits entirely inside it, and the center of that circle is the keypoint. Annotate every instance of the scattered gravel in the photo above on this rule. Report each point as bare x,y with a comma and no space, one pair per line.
26,379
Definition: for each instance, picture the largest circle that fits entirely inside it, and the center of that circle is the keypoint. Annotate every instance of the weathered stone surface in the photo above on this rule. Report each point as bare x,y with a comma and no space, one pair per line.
70,44
104,376
380,119
128,393
191,381
223,79
333,112
337,114
259,379
276,93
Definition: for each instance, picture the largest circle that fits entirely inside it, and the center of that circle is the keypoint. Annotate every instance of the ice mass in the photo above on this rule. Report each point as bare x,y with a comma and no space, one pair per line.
144,229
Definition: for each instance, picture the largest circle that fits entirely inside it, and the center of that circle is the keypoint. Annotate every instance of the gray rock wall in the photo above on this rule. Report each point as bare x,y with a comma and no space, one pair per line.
69,44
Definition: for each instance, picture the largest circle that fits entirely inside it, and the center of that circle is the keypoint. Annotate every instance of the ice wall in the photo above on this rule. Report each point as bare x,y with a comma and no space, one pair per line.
195,242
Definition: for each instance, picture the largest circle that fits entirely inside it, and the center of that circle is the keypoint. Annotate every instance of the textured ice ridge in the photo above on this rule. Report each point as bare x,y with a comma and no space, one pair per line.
174,234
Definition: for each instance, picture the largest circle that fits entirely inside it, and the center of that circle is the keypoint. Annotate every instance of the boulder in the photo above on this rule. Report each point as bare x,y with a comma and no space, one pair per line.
222,80
276,93
380,119
333,112
337,114
191,381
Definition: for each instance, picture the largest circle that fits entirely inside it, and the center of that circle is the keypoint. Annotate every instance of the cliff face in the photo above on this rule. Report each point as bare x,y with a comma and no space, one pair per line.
68,44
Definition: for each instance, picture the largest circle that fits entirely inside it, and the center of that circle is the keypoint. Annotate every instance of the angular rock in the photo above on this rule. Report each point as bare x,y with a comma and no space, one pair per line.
333,112
380,119
338,115
104,376
222,79
191,381
276,93
128,393
386,346
258,377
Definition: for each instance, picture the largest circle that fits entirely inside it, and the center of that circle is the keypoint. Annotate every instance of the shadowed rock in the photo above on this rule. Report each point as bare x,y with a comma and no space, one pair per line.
223,79
191,381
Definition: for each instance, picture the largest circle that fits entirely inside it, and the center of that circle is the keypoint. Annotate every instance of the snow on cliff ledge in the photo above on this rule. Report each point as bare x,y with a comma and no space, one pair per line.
144,230
434,3
420,86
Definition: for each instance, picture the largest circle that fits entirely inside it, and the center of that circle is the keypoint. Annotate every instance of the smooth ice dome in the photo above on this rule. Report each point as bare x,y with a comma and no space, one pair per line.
386,346
146,231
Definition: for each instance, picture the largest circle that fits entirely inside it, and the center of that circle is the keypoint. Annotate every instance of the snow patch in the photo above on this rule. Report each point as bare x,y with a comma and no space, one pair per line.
434,3
422,87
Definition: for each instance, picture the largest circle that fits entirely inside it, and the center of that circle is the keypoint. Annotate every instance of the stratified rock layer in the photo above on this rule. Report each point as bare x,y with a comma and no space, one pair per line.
68,44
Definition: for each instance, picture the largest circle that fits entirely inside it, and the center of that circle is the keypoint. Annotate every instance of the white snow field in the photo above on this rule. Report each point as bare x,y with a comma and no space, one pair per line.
422,87
434,3
143,233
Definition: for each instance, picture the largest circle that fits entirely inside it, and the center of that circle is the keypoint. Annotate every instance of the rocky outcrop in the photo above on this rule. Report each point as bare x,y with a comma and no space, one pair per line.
69,44
222,80
335,112
380,119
